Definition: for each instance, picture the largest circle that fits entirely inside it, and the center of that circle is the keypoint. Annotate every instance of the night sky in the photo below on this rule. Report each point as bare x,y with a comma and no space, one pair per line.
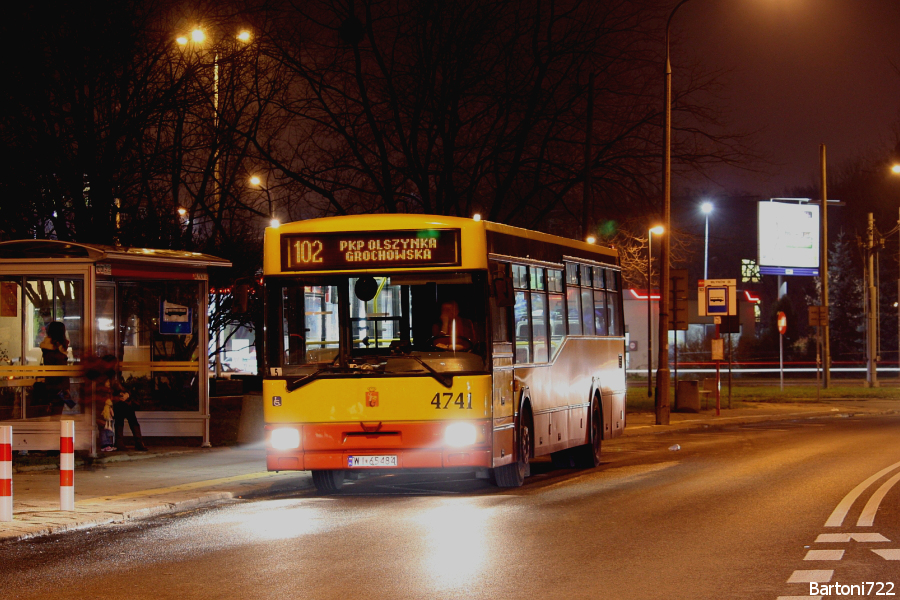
804,72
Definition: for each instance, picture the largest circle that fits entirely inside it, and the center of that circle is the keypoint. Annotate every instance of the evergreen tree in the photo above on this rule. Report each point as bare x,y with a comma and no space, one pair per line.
845,297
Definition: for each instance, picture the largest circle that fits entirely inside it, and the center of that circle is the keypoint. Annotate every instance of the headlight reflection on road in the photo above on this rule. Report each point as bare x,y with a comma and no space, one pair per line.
280,520
455,544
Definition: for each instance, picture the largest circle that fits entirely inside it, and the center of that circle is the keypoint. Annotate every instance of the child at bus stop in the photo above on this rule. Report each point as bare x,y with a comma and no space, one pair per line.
104,372
106,424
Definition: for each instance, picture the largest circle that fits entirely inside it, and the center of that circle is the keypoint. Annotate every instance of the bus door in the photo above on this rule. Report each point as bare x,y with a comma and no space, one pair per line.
504,400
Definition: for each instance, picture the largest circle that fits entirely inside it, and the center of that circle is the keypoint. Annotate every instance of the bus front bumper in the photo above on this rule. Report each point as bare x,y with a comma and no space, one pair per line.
420,445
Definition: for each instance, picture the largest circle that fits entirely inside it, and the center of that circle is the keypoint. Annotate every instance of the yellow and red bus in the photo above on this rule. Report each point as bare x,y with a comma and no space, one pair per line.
399,342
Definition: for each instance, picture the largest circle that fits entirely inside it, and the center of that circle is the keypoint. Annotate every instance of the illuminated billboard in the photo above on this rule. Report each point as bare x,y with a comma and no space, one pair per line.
788,238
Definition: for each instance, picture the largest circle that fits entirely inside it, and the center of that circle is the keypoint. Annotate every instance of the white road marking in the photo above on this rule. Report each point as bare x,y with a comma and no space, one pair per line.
868,514
842,538
840,512
888,554
833,538
869,538
822,576
824,555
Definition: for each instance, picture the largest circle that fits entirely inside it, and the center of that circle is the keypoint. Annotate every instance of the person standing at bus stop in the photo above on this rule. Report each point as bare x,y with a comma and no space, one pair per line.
105,373
55,352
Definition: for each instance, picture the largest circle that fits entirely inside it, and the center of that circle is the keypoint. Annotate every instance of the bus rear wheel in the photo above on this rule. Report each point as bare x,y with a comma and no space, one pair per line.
513,475
588,455
328,481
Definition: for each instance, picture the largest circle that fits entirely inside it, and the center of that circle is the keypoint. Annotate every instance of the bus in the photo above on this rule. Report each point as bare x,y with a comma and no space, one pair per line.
399,342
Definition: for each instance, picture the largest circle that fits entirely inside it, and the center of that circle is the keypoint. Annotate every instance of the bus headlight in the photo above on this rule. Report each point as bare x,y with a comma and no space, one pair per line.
460,434
285,438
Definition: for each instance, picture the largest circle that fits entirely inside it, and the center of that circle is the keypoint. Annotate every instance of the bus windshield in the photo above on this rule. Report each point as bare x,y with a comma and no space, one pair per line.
393,323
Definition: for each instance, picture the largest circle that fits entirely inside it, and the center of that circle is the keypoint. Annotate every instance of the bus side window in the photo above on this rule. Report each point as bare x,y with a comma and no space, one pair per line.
573,301
613,313
523,328
557,323
587,310
600,312
539,326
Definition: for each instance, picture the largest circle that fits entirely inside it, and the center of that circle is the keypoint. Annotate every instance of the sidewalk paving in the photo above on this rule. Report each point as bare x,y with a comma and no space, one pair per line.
130,485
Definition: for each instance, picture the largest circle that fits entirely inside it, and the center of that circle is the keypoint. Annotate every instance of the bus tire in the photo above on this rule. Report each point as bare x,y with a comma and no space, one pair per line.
588,455
514,474
328,481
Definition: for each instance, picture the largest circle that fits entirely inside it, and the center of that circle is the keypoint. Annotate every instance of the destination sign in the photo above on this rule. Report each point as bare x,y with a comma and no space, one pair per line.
370,249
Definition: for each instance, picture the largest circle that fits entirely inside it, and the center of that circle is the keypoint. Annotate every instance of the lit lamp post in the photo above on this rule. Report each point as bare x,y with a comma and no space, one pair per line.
257,182
663,374
198,37
657,230
706,208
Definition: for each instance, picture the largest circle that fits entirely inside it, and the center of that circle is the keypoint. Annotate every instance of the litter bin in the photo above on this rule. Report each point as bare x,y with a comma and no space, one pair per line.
687,396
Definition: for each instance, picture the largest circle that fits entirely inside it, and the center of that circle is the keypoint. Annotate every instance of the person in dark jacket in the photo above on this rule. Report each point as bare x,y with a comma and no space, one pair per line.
105,373
55,352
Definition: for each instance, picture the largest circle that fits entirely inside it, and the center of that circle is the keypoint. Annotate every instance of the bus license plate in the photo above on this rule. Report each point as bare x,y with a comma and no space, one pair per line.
372,461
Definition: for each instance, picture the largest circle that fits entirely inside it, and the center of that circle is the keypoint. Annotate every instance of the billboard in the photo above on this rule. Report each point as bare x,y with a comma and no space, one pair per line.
788,239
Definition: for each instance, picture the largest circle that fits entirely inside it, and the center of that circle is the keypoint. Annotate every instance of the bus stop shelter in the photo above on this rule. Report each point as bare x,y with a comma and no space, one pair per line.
146,307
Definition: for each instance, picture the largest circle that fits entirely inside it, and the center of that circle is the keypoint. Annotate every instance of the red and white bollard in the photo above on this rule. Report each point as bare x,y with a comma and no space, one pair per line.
6,473
67,465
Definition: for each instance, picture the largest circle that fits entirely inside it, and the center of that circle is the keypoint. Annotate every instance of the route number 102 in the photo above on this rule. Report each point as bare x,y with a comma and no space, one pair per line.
308,251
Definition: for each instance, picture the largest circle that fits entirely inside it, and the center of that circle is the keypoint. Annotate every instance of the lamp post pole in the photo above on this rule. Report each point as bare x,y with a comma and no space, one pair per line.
706,207
649,316
663,375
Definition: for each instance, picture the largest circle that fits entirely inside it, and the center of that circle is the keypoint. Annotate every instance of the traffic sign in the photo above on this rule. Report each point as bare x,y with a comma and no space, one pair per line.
782,323
679,287
678,300
717,297
818,316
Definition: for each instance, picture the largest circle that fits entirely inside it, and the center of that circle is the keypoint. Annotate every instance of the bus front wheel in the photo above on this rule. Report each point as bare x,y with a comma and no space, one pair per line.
328,481
514,474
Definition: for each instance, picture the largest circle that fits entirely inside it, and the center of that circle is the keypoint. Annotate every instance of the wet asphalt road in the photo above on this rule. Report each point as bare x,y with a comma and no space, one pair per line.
735,513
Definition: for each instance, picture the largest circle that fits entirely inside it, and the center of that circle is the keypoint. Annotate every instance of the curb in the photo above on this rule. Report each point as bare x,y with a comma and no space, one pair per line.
720,422
102,460
131,515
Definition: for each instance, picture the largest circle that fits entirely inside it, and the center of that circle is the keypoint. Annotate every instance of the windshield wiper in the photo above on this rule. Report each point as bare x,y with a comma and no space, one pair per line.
299,383
444,380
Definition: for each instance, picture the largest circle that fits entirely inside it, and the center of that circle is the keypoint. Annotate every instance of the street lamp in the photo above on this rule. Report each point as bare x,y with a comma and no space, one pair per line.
657,230
663,374
257,182
198,37
706,208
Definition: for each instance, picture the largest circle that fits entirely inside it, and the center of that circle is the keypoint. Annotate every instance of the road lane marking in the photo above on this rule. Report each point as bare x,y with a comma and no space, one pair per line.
824,555
841,538
819,576
840,512
868,514
176,488
888,554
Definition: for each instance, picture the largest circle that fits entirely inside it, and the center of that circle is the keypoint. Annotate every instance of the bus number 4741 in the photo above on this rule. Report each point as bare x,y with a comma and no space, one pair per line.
447,397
